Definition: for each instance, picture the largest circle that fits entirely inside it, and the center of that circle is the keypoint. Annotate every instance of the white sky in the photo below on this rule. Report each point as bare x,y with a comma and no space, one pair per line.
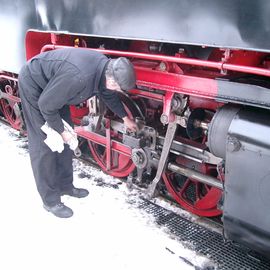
106,231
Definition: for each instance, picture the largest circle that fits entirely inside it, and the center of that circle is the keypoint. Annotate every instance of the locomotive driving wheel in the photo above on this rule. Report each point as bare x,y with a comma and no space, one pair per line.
118,165
10,109
193,196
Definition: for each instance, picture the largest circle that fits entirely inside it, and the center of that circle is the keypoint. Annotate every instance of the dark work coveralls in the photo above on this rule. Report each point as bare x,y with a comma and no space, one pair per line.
48,84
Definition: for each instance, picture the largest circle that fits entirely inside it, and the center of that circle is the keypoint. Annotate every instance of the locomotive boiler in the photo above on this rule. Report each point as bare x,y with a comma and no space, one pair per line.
201,101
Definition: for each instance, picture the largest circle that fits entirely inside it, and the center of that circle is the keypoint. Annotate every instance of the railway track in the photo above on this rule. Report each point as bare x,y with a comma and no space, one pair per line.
203,235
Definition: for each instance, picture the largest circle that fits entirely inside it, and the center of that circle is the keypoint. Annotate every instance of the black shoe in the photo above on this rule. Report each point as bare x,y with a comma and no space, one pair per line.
76,192
59,210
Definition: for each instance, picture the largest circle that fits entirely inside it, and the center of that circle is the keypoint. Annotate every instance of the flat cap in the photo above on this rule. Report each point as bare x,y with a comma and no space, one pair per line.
124,74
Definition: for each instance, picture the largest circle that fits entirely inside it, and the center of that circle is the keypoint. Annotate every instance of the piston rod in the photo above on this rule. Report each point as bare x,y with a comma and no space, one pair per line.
208,180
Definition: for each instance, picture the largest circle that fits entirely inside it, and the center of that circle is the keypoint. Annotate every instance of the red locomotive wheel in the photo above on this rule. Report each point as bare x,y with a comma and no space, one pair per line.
195,197
9,110
121,165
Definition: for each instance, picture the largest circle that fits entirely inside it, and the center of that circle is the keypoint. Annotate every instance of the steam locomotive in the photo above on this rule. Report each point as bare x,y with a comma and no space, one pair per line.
201,101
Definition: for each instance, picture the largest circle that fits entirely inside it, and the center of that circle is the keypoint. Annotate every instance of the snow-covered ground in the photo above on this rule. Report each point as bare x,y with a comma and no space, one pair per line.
106,231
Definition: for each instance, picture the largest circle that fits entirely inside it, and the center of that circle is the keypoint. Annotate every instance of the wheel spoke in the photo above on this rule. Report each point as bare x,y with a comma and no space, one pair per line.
9,112
193,196
185,187
121,165
115,159
197,191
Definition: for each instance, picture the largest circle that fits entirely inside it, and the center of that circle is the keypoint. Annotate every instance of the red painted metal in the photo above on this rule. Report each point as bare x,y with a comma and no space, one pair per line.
121,153
9,102
182,84
205,198
7,77
180,60
34,41
170,82
102,140
206,206
77,113
9,94
167,102
108,144
9,112
10,97
111,155
146,94
207,104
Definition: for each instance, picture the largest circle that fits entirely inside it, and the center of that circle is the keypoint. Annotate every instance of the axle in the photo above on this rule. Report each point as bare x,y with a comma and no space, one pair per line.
208,180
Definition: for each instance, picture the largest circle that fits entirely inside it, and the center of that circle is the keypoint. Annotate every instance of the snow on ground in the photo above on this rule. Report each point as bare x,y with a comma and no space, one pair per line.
106,231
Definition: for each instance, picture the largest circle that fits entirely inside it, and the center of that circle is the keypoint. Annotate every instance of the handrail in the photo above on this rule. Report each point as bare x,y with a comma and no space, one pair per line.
181,60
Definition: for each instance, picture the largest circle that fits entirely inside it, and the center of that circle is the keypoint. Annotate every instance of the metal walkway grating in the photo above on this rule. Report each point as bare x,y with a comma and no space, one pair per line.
211,244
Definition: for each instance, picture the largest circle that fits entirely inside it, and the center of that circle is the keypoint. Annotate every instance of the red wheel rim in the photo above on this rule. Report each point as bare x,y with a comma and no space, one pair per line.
195,197
121,165
9,108
9,113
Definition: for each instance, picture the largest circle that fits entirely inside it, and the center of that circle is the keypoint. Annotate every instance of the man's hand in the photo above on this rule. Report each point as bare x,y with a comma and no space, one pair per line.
54,140
67,136
130,124
70,139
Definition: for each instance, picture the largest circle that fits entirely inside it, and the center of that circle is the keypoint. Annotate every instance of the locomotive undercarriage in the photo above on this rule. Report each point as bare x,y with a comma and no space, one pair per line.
196,131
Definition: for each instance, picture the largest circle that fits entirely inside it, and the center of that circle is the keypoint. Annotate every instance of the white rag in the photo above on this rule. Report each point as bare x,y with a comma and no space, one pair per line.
55,141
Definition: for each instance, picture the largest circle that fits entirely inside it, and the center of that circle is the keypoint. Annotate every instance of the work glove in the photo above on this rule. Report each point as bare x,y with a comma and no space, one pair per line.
54,140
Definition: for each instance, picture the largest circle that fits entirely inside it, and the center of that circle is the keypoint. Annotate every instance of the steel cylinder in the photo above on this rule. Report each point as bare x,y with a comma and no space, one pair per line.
218,130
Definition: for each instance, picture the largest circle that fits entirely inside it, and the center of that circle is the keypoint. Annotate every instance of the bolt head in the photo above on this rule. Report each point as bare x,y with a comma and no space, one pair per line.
164,119
233,144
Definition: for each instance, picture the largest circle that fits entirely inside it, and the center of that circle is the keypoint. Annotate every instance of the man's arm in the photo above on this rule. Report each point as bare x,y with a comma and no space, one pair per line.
130,124
112,100
62,88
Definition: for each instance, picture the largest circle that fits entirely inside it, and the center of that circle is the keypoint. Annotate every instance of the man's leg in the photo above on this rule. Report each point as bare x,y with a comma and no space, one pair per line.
64,159
64,162
43,160
65,169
